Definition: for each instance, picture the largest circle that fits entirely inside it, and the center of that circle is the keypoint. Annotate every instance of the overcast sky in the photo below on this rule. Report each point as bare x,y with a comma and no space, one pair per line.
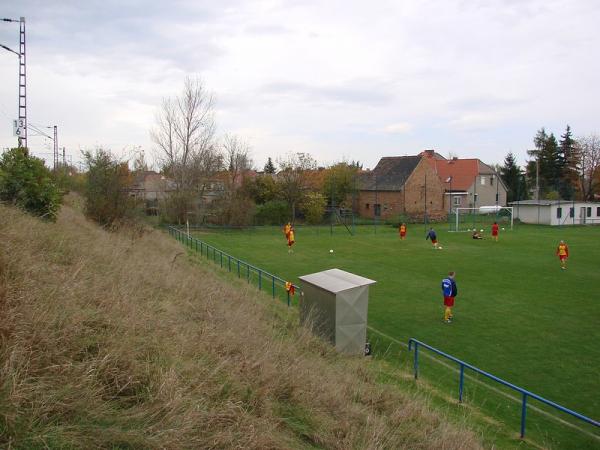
341,80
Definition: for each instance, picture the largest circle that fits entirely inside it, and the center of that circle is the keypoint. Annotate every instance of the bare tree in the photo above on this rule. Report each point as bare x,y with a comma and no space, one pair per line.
184,135
237,161
589,150
237,158
293,179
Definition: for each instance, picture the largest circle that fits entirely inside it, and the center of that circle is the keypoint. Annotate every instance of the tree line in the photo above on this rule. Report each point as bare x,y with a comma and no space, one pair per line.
565,169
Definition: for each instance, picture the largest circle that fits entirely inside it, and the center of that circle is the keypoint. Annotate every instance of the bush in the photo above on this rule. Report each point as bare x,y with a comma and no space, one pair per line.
274,212
313,207
27,183
106,197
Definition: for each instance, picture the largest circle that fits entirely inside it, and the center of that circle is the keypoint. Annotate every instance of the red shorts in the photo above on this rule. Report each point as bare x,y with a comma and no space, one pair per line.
290,243
494,233
403,234
562,257
434,241
448,301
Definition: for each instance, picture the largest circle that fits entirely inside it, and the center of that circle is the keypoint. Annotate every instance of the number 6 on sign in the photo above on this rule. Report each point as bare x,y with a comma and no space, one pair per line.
18,127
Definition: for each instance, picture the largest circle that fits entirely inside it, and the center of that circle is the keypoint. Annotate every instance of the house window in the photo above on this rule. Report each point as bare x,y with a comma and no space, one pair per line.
598,211
558,213
589,211
571,212
456,201
492,180
377,210
482,181
367,206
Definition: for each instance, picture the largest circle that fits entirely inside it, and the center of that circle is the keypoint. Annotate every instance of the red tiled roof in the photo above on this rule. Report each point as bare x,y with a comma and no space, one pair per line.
462,171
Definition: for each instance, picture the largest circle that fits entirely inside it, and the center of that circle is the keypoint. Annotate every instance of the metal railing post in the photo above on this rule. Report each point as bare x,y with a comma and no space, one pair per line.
461,383
238,264
259,279
273,280
416,362
523,415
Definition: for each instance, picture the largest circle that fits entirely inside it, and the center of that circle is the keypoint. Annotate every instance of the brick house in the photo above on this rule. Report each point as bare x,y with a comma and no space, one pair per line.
468,183
401,185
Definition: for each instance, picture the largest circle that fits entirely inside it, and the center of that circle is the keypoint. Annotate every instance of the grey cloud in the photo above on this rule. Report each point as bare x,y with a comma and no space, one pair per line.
373,93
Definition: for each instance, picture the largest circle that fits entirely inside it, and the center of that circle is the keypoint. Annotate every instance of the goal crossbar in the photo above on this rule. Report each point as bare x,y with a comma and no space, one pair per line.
490,212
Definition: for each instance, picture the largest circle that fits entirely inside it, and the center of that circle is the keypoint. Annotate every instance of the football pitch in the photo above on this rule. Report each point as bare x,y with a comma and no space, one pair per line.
517,314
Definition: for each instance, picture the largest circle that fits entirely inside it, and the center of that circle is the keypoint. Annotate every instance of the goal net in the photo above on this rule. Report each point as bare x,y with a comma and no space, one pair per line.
467,219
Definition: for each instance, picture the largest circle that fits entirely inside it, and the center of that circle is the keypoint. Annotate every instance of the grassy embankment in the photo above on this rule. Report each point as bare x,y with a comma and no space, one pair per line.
120,340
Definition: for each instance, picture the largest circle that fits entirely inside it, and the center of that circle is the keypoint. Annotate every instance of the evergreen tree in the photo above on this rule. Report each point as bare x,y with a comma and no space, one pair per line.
269,166
571,157
512,177
550,161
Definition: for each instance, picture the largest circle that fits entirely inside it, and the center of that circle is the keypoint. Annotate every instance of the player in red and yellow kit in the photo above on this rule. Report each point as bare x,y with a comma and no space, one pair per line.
402,231
563,253
290,239
286,229
495,231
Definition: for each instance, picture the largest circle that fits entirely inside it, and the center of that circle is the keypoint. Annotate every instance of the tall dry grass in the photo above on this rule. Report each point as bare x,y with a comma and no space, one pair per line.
117,340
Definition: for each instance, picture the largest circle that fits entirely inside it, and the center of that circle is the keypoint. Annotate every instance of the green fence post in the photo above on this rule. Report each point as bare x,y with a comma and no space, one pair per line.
259,279
273,285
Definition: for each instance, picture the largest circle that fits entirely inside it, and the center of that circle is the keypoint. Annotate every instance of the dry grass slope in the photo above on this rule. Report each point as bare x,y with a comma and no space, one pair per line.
116,340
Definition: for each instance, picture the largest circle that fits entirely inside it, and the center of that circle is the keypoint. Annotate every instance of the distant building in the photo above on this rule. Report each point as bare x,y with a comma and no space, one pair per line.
150,188
401,185
556,212
468,183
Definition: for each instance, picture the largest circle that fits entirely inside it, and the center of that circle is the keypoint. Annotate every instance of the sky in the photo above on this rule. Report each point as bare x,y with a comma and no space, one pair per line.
341,80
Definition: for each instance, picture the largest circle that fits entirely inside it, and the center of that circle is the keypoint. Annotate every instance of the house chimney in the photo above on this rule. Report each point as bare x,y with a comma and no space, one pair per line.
429,153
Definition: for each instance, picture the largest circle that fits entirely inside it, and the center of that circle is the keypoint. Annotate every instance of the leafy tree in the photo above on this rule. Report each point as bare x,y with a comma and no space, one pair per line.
106,197
261,189
340,183
273,212
27,183
269,166
313,206
293,178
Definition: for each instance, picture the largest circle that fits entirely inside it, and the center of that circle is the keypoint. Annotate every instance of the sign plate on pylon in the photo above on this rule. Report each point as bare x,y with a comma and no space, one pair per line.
18,127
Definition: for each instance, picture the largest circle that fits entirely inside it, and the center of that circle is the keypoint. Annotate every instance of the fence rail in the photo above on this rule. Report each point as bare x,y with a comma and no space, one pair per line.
233,264
524,392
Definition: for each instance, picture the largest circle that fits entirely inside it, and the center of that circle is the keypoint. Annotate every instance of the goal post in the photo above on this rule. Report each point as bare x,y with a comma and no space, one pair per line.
466,219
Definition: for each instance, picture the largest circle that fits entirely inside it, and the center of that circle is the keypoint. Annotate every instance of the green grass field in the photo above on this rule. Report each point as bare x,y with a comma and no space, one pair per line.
517,315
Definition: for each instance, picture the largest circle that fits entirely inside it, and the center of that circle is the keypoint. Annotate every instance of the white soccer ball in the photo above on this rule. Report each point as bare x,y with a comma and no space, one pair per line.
481,231
331,251
440,247
502,228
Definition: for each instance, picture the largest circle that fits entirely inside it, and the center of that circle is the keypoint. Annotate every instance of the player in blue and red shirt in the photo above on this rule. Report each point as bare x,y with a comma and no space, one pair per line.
433,237
449,291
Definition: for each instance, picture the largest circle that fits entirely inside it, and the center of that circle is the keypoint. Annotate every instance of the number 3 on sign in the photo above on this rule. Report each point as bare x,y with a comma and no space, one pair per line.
18,127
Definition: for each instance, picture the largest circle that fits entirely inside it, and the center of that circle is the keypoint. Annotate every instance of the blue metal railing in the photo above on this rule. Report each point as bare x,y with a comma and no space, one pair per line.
524,392
226,259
